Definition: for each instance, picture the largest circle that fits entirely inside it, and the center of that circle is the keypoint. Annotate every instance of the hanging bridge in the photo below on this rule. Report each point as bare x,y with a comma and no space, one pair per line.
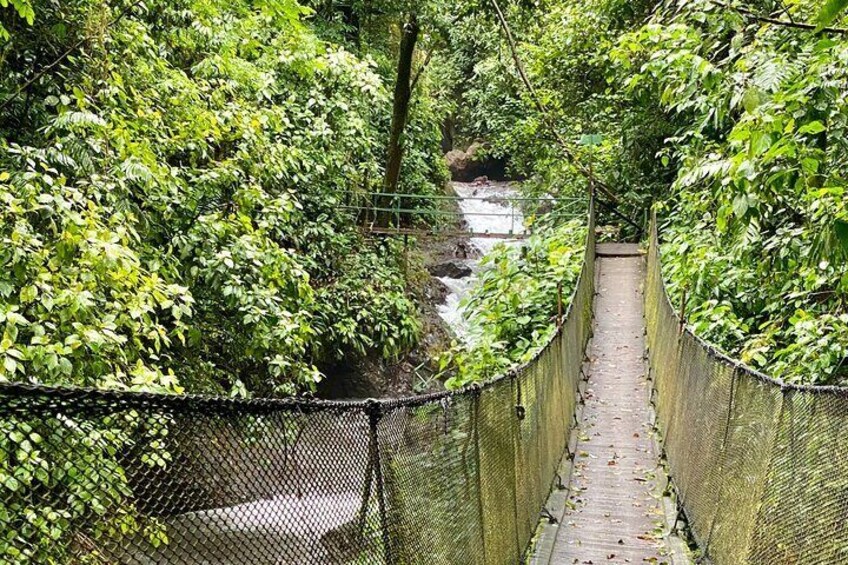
553,462
480,209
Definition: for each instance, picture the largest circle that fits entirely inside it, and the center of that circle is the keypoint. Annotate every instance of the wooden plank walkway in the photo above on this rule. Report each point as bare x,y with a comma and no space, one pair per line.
614,514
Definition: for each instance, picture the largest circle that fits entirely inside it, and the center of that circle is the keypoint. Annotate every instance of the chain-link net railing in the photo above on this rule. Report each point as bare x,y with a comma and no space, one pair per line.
761,467
97,477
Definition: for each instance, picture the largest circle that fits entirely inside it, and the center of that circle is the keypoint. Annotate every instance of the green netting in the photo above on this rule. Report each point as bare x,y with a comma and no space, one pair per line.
96,477
761,467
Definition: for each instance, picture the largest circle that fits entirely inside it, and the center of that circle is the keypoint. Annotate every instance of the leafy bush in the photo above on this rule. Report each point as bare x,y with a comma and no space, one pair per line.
512,312
737,125
171,220
173,215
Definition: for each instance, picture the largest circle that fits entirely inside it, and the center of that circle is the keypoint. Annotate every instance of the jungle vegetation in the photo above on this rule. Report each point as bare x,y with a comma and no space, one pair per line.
173,175
171,194
728,119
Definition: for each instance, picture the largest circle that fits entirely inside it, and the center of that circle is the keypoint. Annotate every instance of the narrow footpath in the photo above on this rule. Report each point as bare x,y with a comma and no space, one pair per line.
613,514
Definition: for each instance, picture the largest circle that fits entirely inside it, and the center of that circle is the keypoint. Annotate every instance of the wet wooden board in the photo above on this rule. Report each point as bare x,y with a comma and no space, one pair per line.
618,250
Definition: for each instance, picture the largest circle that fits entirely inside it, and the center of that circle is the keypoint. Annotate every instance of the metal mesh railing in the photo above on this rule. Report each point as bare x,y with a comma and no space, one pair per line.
97,477
761,467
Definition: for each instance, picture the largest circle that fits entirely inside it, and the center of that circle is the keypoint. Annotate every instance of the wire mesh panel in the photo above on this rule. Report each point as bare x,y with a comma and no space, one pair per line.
98,477
497,473
750,428
114,478
806,490
431,477
761,467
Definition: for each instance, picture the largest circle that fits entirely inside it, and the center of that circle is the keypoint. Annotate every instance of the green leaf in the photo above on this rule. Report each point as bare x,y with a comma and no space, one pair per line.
829,12
812,128
12,484
10,365
589,140
740,205
28,294
751,99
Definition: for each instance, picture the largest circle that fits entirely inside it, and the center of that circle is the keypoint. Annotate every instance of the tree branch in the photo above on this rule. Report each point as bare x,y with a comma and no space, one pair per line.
62,57
776,21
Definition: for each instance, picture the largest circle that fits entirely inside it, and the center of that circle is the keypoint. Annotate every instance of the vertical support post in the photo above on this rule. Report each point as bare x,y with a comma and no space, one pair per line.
517,462
367,206
559,305
359,200
682,313
405,254
375,413
591,180
366,489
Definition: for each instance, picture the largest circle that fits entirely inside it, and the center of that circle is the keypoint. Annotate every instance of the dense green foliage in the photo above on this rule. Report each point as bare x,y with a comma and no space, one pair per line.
565,49
172,187
174,175
512,311
736,125
170,221
756,230
171,197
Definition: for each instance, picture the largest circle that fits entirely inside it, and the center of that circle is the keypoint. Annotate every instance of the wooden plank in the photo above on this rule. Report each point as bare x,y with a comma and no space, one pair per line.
618,250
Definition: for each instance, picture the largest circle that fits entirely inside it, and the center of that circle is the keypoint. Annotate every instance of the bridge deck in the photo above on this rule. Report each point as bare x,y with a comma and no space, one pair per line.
613,514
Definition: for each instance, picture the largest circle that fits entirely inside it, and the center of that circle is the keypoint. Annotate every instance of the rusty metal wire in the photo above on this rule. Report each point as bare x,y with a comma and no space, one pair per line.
105,477
760,466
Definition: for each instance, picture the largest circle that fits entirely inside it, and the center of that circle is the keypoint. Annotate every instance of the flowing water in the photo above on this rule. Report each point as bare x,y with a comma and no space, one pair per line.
487,208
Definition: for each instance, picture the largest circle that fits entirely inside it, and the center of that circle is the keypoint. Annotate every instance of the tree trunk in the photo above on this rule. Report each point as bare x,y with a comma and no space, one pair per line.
448,133
400,112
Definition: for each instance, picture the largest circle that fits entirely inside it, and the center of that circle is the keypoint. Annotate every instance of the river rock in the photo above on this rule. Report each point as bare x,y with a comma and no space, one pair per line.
451,270
436,291
472,164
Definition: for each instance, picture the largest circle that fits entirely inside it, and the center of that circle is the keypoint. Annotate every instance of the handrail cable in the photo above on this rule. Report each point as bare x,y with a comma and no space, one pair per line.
424,211
395,195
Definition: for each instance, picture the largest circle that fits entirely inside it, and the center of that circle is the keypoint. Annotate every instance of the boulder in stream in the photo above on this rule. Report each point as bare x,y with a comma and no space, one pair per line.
451,270
473,164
